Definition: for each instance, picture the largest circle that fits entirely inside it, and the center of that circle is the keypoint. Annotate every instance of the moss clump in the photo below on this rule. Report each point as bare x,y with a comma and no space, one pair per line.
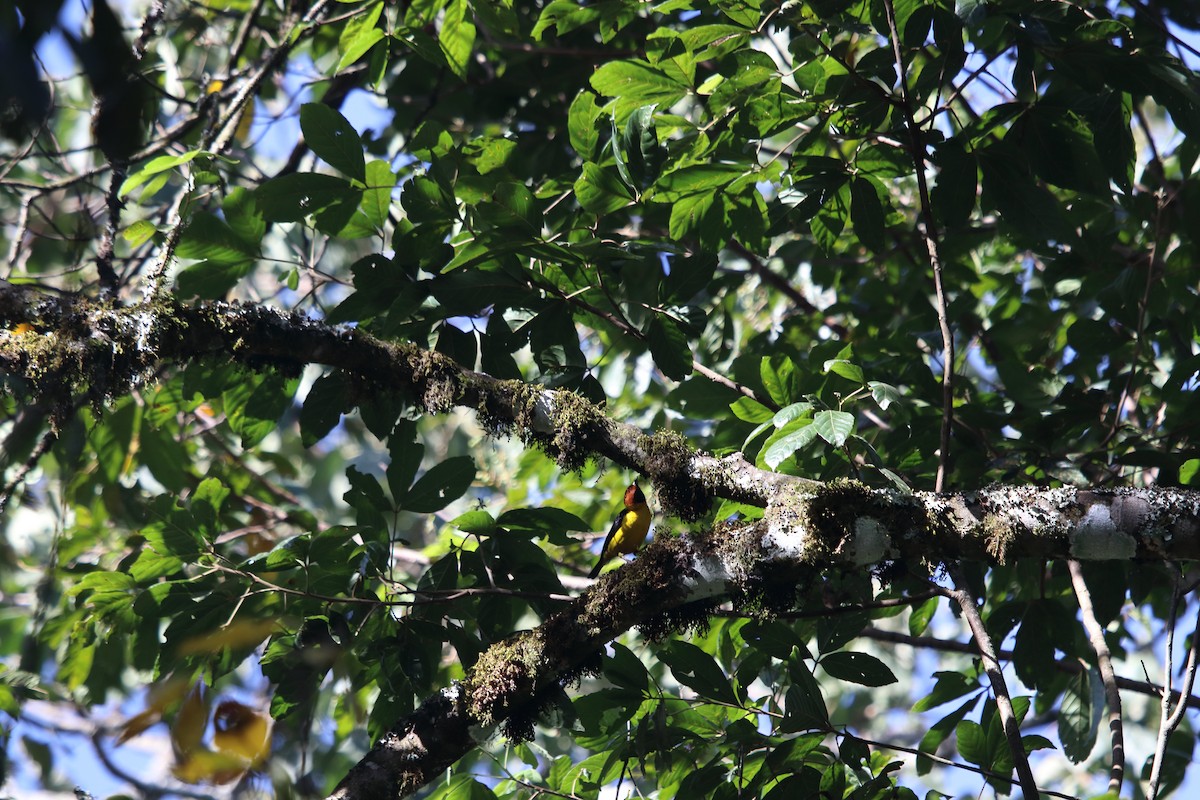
669,459
504,671
438,378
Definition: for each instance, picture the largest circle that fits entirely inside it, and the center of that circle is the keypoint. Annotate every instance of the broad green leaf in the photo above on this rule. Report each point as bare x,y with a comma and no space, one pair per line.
670,348
920,616
377,199
884,393
331,136
697,670
442,484
457,36
833,426
581,125
859,668
689,215
323,407
797,436
1079,717
847,369
749,410
209,238
360,34
601,192
634,84
291,198
866,212
972,743
780,378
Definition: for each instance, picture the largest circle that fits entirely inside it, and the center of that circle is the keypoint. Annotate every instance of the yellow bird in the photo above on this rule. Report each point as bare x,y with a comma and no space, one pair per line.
628,530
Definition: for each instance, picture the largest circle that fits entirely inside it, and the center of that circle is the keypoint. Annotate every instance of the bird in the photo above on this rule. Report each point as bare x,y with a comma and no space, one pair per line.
628,530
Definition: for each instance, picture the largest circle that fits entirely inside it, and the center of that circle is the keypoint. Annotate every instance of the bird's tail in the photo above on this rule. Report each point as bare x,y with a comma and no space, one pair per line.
596,569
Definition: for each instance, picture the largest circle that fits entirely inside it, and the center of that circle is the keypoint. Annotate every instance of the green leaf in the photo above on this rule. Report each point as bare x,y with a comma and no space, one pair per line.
859,668
139,232
804,706
947,686
331,136
158,165
638,154
323,407
780,378
972,743
211,280
292,198
670,347
689,216
581,125
457,36
884,393
600,192
461,787
698,178
1188,472
478,523
625,669
953,193
847,369
210,238
833,426
866,212
796,436
441,485
749,410
920,616
377,199
636,83
1079,717
697,670
359,35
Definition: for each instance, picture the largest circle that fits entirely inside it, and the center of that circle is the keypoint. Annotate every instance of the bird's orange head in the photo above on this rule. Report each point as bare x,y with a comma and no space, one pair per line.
634,496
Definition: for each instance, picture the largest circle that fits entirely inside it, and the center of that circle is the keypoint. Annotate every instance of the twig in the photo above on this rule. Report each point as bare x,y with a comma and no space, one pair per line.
987,773
991,665
1104,663
930,236
43,446
1171,717
1071,666
109,285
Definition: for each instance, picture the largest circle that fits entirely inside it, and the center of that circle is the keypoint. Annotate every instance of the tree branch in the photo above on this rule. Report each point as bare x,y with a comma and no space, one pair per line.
930,236
1104,663
991,665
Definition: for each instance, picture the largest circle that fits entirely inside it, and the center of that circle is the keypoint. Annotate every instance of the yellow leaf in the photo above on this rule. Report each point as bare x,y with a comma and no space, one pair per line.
159,697
206,766
241,633
242,731
192,720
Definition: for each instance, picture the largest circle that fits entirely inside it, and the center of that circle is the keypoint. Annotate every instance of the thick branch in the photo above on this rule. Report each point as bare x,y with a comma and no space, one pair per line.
82,348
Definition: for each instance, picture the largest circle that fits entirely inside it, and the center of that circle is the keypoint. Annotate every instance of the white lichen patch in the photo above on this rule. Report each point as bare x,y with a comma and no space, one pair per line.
870,541
786,537
1097,538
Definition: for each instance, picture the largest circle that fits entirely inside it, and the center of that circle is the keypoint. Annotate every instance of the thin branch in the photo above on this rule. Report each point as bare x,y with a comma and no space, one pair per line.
987,773
929,233
109,285
1171,717
1065,665
991,665
1104,663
